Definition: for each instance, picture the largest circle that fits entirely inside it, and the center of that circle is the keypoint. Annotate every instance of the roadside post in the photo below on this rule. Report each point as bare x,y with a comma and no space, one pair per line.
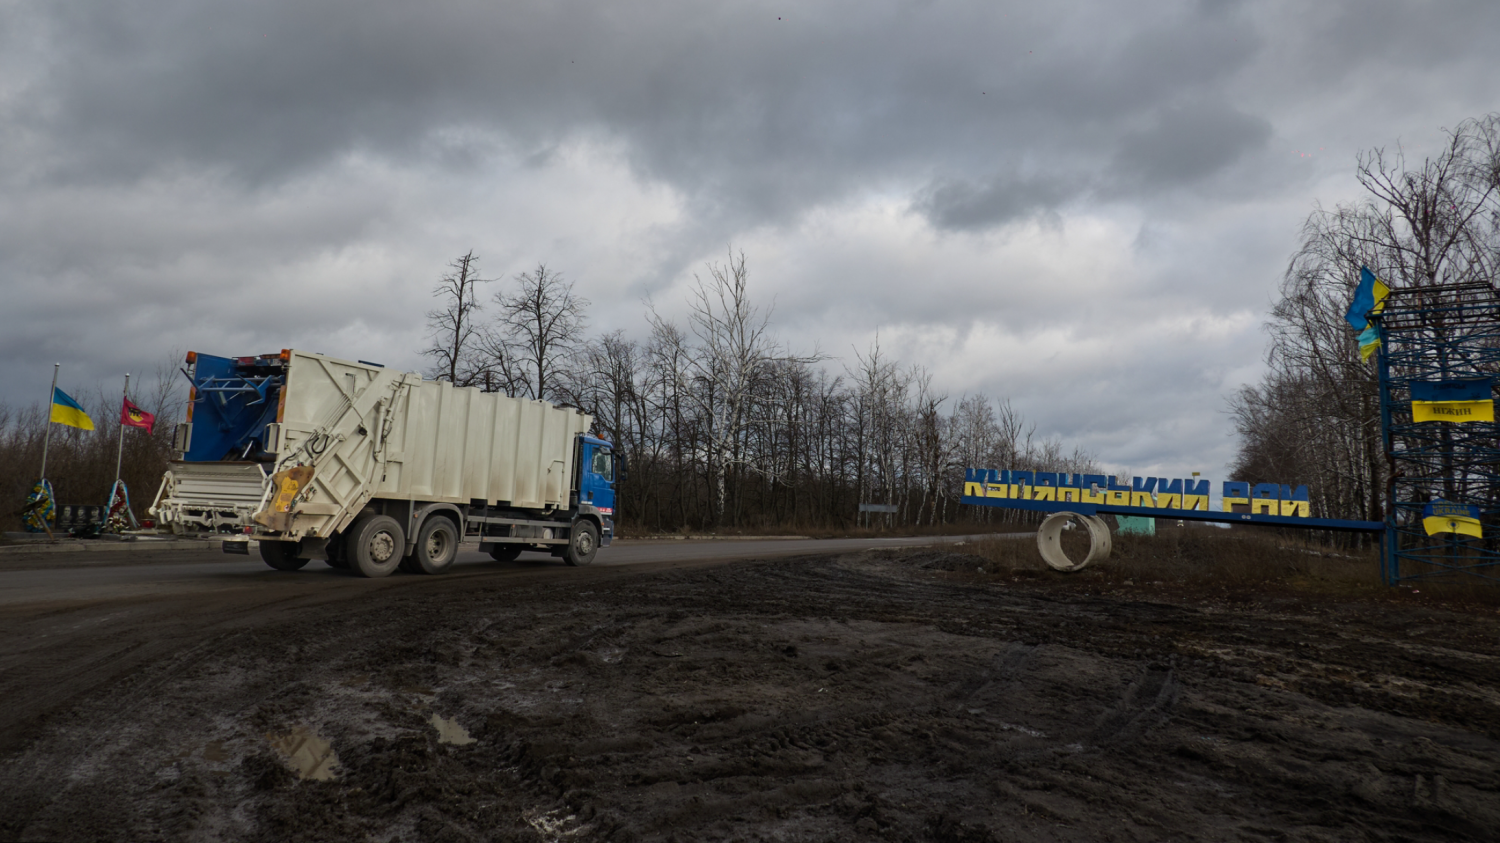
866,508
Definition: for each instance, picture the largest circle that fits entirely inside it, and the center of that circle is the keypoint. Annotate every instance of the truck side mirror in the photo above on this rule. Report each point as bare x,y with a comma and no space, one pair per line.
621,467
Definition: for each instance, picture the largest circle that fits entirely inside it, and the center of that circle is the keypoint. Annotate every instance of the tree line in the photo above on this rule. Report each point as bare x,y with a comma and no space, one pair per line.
1315,416
723,424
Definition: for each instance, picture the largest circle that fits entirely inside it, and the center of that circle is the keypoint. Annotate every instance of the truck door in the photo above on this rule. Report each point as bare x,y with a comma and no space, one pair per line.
597,486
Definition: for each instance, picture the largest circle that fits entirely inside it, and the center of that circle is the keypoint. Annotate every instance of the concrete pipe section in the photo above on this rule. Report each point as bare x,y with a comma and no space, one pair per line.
1049,540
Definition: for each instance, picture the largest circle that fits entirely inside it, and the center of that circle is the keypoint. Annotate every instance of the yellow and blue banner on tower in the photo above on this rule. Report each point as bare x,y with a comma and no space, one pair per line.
66,411
1458,401
1444,517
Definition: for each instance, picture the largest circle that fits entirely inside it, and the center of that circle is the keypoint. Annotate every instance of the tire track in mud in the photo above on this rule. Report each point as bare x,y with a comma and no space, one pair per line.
64,655
873,696
54,653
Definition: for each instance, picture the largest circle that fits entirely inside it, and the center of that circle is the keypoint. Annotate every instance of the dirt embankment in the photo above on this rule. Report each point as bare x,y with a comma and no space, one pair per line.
866,697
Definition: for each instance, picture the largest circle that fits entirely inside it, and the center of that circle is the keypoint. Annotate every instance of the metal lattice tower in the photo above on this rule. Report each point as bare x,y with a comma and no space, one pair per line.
1431,334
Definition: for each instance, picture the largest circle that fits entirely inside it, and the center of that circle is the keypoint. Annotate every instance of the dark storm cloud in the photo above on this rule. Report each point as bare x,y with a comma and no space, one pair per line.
960,205
730,102
1185,144
752,111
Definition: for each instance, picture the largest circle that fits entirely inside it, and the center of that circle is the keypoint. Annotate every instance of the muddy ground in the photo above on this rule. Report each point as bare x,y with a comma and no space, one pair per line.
873,696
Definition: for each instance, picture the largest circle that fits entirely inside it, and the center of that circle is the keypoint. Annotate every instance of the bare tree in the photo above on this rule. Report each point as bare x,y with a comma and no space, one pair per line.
542,323
734,357
1435,223
457,335
933,444
880,388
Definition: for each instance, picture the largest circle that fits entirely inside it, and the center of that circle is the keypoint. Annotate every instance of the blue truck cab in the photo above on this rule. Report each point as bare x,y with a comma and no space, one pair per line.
599,471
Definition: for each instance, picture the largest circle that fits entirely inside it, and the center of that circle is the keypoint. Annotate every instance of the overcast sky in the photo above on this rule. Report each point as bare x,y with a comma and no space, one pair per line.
1084,207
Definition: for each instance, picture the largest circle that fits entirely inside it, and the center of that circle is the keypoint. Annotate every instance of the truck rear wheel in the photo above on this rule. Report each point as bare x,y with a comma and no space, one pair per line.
437,545
583,543
374,546
281,555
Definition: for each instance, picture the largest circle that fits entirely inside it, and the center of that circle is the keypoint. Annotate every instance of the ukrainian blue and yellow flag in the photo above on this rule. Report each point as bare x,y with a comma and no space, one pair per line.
66,411
1443,517
1369,340
1369,297
1459,401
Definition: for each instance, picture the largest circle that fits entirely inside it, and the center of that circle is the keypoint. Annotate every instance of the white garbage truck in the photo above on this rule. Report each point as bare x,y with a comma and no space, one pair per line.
373,469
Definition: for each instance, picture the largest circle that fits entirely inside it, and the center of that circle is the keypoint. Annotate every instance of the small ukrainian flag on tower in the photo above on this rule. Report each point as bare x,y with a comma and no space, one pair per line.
66,411
1369,297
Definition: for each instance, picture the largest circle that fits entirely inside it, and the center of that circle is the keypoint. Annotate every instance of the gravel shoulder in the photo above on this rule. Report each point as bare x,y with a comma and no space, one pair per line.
898,694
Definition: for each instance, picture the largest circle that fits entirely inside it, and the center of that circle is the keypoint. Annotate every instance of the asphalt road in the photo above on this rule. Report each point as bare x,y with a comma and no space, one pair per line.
30,578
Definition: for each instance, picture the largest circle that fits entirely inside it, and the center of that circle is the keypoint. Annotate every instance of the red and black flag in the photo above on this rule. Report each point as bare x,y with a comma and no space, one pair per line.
133,416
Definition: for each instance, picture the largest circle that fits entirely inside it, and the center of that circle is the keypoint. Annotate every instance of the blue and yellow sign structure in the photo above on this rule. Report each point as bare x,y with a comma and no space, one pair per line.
1271,504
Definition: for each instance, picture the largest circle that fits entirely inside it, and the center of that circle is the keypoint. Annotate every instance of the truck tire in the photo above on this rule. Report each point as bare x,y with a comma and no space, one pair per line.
374,546
583,543
437,545
505,552
281,555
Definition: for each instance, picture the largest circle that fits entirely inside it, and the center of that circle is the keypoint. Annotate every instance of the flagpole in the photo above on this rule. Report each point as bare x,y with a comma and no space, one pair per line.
120,454
47,439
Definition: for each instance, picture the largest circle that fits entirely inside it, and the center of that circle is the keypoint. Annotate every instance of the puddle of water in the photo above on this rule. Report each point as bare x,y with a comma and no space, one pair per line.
214,752
449,731
309,756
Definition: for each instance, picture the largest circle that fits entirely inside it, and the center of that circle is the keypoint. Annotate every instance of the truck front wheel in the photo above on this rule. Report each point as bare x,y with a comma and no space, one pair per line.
281,555
374,545
583,543
437,545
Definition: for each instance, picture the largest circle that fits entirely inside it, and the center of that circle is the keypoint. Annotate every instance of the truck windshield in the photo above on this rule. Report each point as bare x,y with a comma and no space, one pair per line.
604,464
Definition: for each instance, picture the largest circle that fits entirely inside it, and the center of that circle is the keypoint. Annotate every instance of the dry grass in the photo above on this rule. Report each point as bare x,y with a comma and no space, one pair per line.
962,528
1238,561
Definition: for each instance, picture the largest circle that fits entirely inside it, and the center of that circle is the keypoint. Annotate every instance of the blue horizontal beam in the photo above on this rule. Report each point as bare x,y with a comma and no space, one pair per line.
1180,514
